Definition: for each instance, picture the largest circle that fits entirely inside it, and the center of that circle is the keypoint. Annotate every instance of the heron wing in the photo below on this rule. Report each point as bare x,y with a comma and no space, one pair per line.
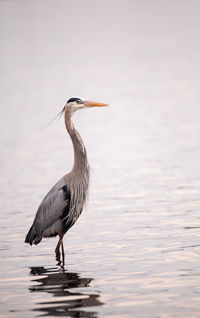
54,206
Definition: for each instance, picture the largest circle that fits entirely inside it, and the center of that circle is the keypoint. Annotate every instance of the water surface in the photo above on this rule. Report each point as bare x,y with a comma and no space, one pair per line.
135,250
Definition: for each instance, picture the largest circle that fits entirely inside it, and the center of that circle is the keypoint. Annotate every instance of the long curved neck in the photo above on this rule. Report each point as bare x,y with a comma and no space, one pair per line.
80,154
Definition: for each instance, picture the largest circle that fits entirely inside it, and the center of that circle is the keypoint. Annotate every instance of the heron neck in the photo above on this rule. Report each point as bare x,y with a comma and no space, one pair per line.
80,154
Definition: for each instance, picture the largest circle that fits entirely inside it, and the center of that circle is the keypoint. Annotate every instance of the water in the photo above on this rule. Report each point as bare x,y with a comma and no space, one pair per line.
135,249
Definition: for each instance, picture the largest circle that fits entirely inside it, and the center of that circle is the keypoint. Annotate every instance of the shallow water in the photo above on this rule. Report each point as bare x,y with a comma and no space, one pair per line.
135,250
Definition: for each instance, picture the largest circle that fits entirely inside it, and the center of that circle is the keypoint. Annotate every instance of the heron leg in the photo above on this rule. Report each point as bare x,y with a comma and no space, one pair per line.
57,250
63,252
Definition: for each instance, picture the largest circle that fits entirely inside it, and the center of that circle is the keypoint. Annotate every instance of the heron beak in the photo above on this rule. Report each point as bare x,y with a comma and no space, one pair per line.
88,103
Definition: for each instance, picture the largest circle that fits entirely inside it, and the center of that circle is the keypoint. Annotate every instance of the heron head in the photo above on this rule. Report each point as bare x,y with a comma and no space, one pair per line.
76,103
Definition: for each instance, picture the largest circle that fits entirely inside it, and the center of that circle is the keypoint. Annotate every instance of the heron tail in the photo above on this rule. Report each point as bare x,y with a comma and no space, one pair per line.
31,237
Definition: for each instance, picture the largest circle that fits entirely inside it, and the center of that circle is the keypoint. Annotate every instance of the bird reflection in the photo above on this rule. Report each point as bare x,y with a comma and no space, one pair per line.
60,284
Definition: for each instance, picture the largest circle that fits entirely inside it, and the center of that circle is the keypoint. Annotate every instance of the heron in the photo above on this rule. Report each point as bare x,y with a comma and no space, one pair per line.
63,204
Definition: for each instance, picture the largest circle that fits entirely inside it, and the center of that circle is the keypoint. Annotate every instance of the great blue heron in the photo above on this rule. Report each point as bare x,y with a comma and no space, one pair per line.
63,204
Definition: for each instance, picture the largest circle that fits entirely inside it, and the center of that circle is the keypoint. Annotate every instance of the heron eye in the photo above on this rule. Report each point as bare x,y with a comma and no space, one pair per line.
79,101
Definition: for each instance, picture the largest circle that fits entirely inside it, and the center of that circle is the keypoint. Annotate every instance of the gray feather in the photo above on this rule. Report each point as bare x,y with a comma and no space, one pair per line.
48,213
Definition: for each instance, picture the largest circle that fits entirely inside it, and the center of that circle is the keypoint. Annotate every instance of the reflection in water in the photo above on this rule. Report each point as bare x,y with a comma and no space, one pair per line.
59,284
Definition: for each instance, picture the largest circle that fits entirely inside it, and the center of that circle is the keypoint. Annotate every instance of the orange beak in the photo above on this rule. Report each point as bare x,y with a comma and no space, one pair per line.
88,103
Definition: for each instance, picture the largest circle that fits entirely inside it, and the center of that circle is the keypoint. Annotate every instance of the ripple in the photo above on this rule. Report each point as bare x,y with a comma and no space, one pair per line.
64,288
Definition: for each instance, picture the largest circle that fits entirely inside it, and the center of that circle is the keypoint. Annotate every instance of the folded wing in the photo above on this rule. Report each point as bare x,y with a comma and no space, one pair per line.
54,207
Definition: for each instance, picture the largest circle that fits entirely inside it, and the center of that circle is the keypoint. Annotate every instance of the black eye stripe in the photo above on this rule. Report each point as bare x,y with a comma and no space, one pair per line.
74,99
